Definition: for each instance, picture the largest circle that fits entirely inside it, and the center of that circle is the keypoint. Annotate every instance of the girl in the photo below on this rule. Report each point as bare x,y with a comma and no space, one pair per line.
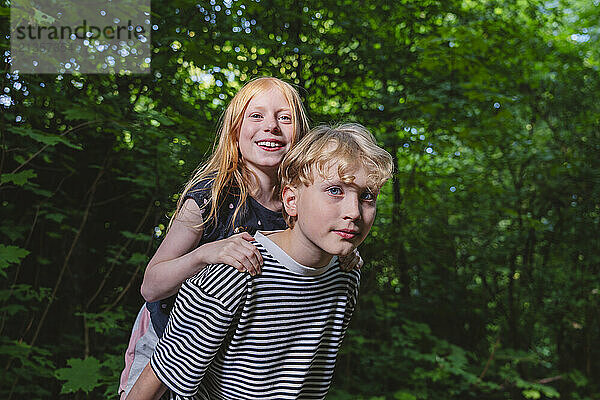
227,200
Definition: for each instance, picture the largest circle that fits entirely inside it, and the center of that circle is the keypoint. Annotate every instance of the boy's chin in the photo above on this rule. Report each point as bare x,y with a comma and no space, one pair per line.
346,251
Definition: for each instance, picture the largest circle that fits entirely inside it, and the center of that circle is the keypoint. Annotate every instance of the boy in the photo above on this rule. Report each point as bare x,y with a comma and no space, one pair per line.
277,334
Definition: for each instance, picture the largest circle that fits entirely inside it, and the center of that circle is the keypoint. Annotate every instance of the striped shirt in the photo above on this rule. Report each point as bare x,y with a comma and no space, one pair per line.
272,336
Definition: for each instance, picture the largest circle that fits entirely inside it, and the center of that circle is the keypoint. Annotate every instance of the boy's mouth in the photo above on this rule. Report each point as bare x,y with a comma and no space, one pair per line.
347,233
270,145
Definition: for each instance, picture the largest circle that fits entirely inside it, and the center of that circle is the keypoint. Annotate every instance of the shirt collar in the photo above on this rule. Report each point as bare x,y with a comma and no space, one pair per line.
288,262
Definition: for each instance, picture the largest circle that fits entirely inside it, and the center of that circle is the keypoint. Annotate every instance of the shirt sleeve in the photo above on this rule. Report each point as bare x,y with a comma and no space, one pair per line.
200,193
198,325
353,287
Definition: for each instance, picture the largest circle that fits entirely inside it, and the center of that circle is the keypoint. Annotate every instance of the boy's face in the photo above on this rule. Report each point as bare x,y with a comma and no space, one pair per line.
332,216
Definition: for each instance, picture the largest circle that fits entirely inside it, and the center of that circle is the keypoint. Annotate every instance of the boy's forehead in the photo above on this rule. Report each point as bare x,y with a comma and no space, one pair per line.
335,171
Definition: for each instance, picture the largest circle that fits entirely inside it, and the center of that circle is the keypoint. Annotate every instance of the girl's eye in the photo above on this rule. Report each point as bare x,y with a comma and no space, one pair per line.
255,115
286,117
334,191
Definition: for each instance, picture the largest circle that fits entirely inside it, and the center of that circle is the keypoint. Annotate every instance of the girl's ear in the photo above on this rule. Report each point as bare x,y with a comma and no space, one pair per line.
289,196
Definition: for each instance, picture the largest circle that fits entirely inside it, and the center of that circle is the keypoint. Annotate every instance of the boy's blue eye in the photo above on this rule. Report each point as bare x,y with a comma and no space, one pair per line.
368,196
335,191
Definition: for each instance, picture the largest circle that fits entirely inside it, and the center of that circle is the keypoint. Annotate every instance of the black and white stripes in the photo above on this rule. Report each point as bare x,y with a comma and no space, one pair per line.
272,336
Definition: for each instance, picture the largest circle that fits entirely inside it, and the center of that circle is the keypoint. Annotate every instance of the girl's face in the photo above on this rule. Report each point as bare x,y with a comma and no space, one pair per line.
266,132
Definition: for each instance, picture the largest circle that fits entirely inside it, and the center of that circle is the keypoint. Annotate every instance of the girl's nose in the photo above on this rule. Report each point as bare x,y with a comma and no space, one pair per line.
272,125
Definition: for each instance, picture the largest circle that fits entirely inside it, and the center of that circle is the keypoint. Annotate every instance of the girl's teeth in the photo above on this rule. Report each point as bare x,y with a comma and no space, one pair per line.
269,144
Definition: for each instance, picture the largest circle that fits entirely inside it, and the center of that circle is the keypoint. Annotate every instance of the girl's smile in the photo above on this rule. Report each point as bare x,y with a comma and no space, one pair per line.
270,145
266,131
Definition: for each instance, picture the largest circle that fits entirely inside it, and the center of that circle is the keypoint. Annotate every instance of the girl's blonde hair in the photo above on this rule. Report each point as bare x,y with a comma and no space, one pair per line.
347,146
225,168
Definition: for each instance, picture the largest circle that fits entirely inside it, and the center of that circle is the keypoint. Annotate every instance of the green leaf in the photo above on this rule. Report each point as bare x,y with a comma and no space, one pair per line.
163,119
531,394
136,236
29,361
34,188
56,217
404,396
549,391
137,258
42,260
10,255
19,179
141,181
578,378
77,113
82,374
42,137
13,309
25,293
105,321
14,232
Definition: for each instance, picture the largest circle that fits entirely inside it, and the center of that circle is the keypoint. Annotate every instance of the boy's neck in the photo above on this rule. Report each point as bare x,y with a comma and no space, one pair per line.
300,248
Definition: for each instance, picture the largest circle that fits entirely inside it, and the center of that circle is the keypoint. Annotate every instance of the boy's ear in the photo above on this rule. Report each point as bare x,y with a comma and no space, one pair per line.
289,196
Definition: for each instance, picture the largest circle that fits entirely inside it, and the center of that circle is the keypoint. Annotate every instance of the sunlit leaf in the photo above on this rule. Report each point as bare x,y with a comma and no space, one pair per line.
81,374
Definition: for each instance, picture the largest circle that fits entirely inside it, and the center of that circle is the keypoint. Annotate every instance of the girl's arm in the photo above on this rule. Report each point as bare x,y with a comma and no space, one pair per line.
178,258
147,387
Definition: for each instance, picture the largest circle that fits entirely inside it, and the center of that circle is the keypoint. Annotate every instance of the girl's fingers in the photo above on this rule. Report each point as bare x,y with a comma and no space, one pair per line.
359,260
238,252
243,266
351,261
343,262
235,264
350,265
360,263
252,253
246,236
248,260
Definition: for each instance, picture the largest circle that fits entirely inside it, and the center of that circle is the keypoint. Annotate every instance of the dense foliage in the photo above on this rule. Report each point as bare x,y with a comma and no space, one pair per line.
482,276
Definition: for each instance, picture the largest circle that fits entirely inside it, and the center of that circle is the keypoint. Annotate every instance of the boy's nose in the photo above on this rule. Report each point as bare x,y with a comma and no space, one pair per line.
352,207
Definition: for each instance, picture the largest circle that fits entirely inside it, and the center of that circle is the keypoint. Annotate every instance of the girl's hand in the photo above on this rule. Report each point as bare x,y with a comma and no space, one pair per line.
351,261
236,251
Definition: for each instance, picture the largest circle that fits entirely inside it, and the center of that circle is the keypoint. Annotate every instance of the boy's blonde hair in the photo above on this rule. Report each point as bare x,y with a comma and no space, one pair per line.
225,167
350,146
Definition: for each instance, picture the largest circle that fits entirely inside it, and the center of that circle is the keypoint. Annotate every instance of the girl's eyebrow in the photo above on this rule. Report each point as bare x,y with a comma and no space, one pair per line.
262,108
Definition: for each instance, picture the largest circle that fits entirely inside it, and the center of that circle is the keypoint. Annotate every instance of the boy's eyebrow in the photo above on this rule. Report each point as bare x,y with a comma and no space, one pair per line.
340,182
327,181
